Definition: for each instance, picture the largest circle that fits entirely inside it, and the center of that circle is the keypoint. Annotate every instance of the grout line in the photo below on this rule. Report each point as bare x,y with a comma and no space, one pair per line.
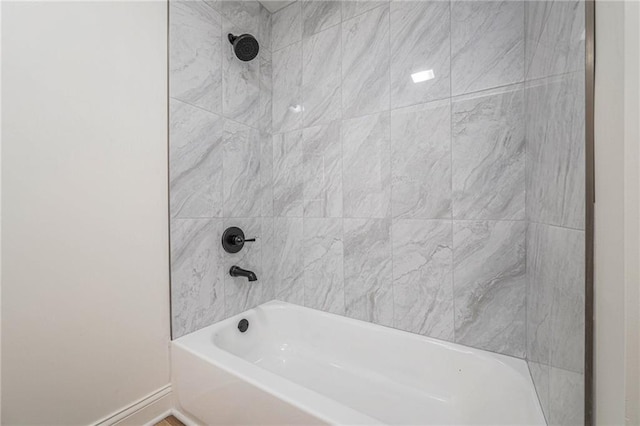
569,228
450,99
292,42
299,144
497,90
556,76
390,208
394,218
323,30
225,314
368,10
453,275
215,113
526,227
344,281
535,388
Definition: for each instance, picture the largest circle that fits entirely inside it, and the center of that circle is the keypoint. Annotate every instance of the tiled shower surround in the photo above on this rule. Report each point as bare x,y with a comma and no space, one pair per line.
452,208
555,135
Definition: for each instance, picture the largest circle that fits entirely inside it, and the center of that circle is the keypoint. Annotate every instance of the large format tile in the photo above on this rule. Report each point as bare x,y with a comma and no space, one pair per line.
287,88
195,54
241,165
420,41
421,161
322,168
487,44
239,293
323,272
366,166
318,15
286,26
197,287
555,141
367,270
489,156
489,285
352,8
422,277
195,167
287,177
365,63
566,398
240,83
321,77
555,36
288,266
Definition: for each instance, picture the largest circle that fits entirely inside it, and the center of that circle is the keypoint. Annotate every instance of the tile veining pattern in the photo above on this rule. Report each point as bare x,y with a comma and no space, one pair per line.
372,196
407,200
555,191
221,160
405,204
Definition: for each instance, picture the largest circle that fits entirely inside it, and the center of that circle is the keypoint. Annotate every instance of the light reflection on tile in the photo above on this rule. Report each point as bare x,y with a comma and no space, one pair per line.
419,42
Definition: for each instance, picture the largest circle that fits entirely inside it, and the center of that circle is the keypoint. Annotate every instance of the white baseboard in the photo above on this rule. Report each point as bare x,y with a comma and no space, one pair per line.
146,411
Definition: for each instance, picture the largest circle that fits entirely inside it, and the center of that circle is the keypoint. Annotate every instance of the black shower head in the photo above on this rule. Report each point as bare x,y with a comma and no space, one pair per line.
245,46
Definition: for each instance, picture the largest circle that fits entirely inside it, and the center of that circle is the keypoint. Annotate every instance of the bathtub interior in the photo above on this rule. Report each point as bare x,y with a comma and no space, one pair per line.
389,375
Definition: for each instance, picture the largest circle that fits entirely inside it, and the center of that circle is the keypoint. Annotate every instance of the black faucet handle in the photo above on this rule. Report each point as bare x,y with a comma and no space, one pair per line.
239,240
233,239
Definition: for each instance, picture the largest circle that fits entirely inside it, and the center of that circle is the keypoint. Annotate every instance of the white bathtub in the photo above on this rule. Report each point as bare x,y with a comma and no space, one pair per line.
296,365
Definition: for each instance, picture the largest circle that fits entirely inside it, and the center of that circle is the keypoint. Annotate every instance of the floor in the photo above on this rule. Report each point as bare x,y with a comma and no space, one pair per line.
170,421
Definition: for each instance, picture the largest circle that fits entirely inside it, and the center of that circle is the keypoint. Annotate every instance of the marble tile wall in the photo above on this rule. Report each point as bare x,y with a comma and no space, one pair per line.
403,203
220,159
555,205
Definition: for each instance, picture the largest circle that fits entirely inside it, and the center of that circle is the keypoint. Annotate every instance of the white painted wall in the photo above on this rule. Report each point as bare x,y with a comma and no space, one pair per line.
617,259
85,285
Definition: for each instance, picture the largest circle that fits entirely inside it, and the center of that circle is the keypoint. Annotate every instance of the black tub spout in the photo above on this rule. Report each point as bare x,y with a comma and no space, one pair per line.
237,271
